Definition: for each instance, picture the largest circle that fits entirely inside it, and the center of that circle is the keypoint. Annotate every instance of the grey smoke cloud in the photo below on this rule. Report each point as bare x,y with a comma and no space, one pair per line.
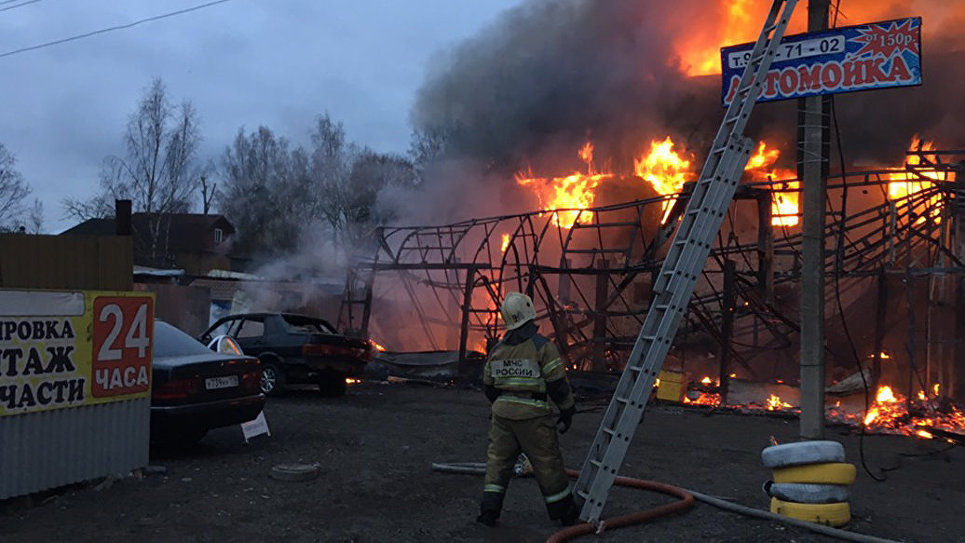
548,74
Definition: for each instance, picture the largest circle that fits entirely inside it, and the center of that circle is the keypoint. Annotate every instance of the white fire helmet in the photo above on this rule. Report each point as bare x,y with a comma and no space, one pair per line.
517,309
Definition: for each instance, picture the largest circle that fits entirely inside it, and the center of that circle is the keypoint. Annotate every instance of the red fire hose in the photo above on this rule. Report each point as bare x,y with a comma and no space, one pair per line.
685,502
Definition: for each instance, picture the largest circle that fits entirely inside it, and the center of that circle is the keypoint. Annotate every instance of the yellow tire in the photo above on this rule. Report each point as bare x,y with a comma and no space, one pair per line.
829,514
830,473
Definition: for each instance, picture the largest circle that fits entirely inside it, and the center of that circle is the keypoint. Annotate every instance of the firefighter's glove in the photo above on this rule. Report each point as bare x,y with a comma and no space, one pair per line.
566,419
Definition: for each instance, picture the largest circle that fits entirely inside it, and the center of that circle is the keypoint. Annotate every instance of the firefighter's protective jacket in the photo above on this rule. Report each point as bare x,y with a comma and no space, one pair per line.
526,369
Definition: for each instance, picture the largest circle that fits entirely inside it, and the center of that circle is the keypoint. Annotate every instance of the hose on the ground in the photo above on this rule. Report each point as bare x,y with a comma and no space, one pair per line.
767,515
686,501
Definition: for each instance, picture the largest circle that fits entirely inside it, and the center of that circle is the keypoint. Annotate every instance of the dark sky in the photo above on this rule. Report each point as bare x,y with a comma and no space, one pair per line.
241,63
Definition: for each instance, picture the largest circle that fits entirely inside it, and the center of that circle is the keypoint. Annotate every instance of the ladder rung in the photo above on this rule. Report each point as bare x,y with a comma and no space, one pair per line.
622,400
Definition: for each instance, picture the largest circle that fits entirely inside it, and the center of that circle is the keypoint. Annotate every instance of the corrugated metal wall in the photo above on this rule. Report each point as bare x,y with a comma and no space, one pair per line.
44,450
64,446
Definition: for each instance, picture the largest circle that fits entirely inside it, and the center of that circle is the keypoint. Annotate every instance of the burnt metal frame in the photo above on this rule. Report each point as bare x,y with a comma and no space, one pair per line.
462,271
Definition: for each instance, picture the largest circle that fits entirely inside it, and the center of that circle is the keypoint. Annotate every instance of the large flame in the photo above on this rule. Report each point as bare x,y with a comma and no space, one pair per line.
904,183
729,22
573,193
784,204
664,170
699,51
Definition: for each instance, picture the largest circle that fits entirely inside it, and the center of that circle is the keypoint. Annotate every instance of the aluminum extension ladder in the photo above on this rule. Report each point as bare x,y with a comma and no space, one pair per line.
711,197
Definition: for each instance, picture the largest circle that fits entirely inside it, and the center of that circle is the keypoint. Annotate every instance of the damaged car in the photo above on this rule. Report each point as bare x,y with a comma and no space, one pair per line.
296,349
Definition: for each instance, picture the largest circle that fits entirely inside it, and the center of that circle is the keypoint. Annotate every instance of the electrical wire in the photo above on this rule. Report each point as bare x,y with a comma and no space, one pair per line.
109,29
837,297
28,2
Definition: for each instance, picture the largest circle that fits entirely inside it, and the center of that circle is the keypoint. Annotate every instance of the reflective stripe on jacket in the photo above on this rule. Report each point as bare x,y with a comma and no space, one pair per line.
521,372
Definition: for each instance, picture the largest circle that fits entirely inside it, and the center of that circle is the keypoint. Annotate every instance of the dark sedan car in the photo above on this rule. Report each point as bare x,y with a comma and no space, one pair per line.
296,349
195,389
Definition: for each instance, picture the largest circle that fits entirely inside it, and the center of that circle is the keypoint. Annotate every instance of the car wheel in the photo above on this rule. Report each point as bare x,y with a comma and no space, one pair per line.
272,379
332,385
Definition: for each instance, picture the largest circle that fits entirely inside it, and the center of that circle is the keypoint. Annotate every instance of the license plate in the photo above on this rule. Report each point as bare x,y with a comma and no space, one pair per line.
214,383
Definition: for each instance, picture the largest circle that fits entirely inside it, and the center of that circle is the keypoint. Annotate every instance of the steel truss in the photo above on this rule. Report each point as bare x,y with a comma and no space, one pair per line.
592,282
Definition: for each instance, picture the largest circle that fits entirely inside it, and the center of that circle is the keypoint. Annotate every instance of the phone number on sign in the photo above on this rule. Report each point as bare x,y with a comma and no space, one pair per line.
816,47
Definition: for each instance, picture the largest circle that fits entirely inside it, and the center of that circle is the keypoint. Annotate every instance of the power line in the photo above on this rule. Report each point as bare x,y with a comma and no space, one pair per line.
18,5
9,2
110,29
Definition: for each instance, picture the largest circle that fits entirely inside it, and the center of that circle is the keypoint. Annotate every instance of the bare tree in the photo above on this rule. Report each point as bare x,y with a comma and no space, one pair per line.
98,207
156,171
427,146
209,187
263,192
331,166
13,189
35,218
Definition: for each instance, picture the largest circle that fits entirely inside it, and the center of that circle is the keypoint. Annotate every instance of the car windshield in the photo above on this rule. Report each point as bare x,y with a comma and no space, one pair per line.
306,325
169,341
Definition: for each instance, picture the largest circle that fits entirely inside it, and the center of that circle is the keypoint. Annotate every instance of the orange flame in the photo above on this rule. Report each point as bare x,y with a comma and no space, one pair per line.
664,169
377,347
904,183
505,244
774,403
573,193
706,381
784,207
720,23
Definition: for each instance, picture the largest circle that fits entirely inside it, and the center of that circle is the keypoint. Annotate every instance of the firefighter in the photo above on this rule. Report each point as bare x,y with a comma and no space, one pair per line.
522,373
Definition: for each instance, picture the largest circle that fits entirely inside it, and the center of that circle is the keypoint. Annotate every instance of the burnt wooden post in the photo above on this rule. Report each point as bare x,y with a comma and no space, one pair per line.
600,314
765,247
727,308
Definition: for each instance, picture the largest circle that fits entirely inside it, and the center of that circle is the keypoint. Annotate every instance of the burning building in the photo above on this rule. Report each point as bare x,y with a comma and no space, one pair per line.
574,129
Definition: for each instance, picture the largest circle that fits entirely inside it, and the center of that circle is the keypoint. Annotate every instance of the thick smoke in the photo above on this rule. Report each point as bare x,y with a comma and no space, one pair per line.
546,75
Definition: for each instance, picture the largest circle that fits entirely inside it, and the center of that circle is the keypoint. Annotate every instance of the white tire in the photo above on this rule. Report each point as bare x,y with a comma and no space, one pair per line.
809,493
804,452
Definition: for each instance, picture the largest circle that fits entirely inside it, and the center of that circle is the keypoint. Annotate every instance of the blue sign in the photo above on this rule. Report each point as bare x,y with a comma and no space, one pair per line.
846,59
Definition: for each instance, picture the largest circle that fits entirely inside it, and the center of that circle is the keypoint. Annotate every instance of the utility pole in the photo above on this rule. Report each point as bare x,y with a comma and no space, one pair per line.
812,158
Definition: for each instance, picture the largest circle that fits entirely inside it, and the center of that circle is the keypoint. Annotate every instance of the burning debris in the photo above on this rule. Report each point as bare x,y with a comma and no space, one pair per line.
888,413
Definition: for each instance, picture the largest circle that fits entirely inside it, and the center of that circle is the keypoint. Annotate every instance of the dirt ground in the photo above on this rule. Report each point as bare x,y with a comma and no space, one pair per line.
375,447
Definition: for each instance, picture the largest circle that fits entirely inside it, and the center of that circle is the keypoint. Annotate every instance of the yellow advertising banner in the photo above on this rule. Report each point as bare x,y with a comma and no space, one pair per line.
69,349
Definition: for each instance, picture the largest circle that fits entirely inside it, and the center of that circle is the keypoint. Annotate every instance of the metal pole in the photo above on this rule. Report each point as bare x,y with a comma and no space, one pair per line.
812,157
727,308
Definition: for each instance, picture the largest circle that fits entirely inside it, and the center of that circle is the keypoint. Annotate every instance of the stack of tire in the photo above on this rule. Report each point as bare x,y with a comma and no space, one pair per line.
810,481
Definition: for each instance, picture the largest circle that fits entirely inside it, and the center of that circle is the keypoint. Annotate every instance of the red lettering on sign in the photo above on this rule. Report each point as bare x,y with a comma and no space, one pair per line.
788,80
854,74
831,75
899,70
810,78
771,83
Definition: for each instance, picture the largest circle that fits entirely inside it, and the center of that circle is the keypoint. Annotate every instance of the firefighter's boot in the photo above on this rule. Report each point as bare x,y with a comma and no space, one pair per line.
489,508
